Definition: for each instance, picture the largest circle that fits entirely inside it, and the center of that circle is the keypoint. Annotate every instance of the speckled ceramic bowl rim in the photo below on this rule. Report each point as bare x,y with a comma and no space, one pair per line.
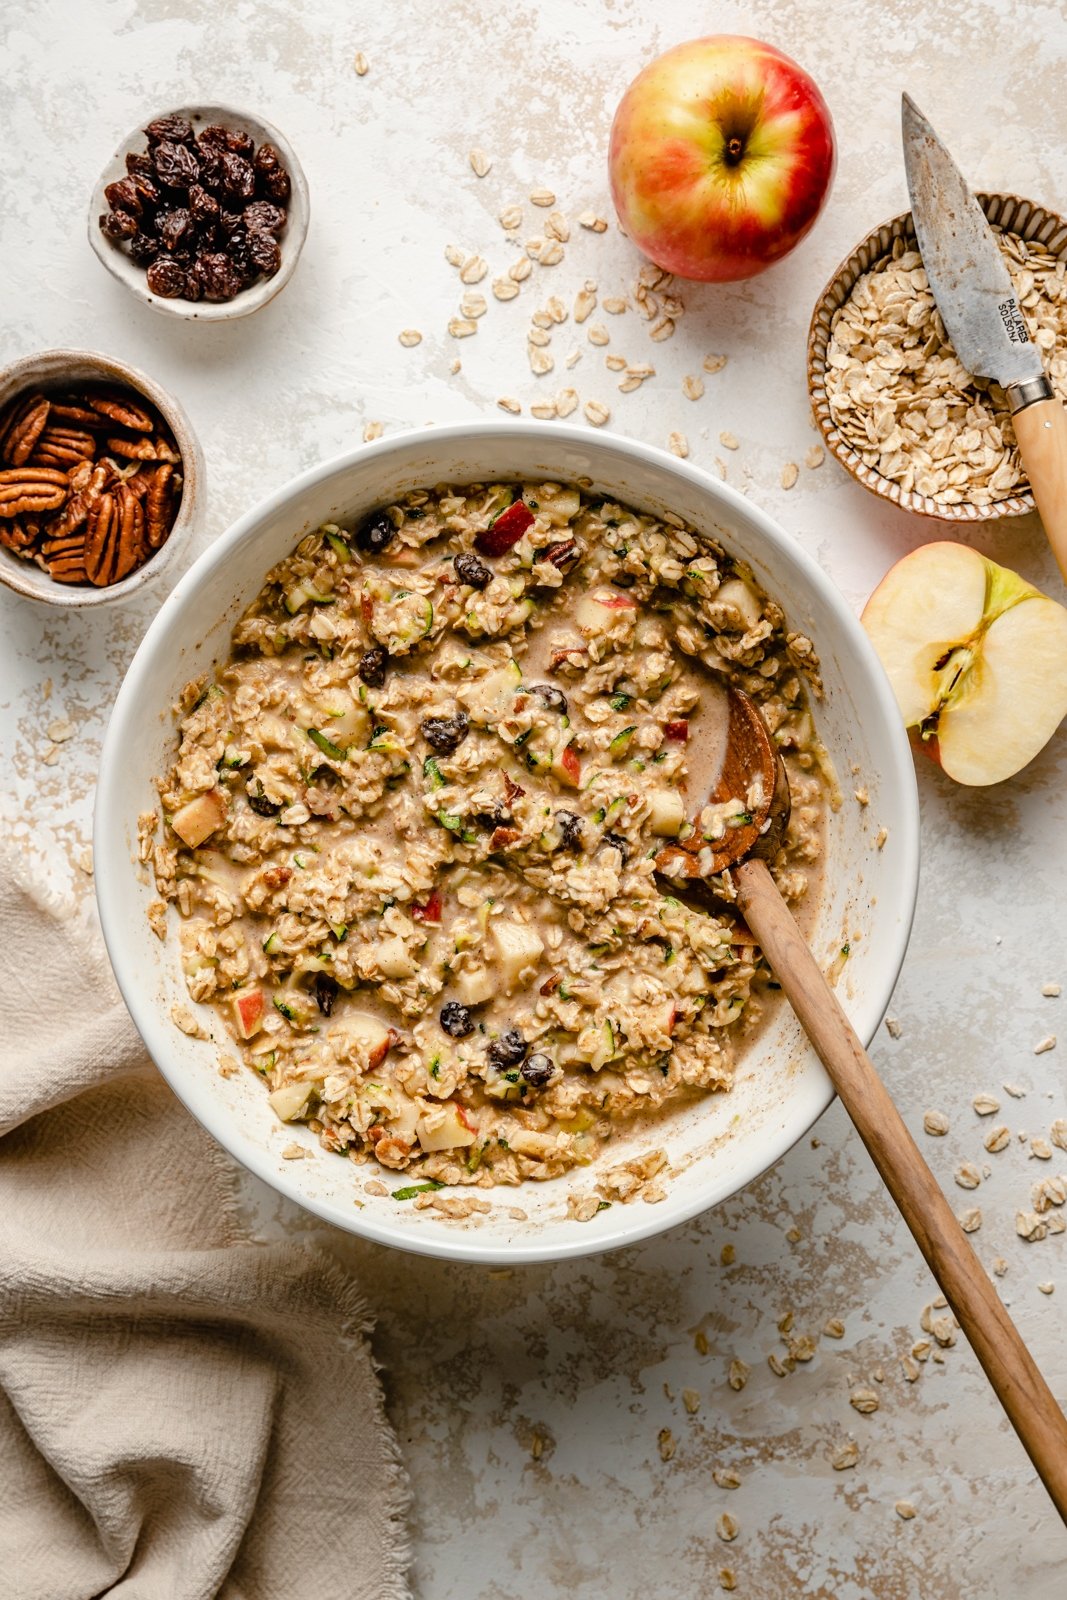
47,369
292,240
621,1225
1011,212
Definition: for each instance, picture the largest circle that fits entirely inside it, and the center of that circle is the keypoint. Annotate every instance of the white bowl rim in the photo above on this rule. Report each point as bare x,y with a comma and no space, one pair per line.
258,294
112,860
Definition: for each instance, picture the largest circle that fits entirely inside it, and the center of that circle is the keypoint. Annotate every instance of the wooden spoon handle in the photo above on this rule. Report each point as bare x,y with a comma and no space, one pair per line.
1009,1366
1041,430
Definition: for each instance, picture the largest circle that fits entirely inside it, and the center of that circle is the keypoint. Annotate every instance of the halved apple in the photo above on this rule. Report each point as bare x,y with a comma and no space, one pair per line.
977,658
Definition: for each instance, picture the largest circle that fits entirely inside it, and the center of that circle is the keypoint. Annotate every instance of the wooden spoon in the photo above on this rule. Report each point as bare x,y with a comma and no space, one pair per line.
754,774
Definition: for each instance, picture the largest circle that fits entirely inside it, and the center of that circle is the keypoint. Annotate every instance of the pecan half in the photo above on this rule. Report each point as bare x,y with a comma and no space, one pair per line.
144,450
120,409
75,408
68,568
63,448
31,489
160,504
21,425
114,536
563,554
18,534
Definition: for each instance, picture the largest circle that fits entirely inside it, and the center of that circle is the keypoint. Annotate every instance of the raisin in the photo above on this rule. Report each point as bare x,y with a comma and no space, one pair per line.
167,279
446,734
123,196
147,188
213,138
538,1070
570,827
325,992
372,665
218,280
240,257
202,205
264,217
375,532
143,249
456,1019
175,165
229,222
118,225
238,178
265,253
470,570
617,842
194,289
175,228
174,130
272,180
138,162
261,805
239,144
550,696
509,1049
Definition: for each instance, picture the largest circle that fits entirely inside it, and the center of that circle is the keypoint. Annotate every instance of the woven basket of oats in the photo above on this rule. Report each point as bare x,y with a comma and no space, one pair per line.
888,391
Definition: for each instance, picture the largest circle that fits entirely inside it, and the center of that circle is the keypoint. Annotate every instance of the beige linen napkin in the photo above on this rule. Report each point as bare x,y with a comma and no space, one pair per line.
183,1413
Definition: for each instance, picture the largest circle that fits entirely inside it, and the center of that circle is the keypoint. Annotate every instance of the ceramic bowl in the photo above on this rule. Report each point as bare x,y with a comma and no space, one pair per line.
1015,215
118,262
716,1145
54,368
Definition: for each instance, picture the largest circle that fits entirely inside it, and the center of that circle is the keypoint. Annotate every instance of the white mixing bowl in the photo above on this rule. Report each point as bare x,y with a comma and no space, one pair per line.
714,1146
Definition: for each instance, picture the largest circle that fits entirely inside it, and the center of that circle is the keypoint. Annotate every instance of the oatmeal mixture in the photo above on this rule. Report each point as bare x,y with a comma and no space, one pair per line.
411,826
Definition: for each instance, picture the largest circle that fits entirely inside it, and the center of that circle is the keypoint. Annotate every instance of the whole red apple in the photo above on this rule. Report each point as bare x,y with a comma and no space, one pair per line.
722,154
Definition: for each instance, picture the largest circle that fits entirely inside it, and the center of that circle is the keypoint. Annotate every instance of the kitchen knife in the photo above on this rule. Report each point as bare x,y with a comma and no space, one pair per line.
969,280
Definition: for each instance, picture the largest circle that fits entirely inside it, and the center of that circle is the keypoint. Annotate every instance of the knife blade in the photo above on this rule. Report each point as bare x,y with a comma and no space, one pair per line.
972,287
968,276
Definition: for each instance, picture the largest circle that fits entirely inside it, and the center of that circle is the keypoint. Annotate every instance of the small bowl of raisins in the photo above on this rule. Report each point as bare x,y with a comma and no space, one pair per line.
202,213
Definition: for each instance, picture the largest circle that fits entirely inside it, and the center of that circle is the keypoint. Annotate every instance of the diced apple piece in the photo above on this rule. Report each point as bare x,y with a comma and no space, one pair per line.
446,1128
290,1101
516,947
566,767
368,1036
737,594
596,613
198,820
560,508
474,988
343,722
394,959
490,697
666,813
250,1008
976,656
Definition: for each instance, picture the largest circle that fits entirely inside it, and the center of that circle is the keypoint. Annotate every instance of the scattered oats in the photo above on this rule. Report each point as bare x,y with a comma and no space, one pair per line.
573,358
678,445
834,1328
970,1220
880,838
815,456
615,363
727,1579
60,730
473,305
911,1368
598,334
691,1401
229,1067
661,329
375,1186
551,255
846,1455
537,1445
506,403
520,269
997,1138
584,302
1058,1133
666,1443
372,431
511,218
727,1527
517,1214
473,270
628,385
1051,991
566,402
785,1324
864,1400
1049,1192
794,1235
582,1207
999,1266
543,410
935,1123
921,1349
1040,1148
596,413
480,162
542,197
85,860
985,1104
455,365
1056,1223
505,288
700,1340
779,1367
905,1510
183,1018
615,304
409,337
50,755
863,797
738,1374
1046,1288
1045,1044
1014,1090
539,337
802,1348
727,1478
540,361
944,1331
454,255
555,308
727,1255
729,441
967,1175
878,1374
557,227
361,64
715,363
893,1028
1031,1227
692,386
294,1152
461,327
534,246
790,474
595,224
641,369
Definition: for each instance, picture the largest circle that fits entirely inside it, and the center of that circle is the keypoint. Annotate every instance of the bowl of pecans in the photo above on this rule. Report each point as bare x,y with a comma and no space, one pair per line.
100,478
202,213
895,406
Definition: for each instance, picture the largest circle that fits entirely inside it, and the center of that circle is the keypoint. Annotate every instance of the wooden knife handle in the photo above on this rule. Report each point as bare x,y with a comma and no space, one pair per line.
994,1338
1041,430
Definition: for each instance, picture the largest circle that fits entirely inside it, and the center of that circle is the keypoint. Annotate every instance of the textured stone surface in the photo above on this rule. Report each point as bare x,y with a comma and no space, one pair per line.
591,1358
